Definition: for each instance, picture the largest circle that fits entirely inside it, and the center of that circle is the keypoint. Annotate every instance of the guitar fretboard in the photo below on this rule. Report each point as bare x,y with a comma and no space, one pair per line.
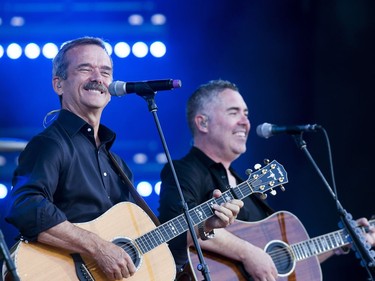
321,244
260,181
178,225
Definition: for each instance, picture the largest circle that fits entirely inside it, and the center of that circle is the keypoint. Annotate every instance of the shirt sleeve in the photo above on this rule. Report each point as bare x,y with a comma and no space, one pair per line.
34,183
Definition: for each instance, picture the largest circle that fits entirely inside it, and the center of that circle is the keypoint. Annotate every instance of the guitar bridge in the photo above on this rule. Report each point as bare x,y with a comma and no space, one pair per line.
83,274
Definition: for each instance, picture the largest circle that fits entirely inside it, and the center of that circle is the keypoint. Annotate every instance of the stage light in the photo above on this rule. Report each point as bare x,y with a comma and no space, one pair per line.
3,191
157,187
14,51
108,47
158,49
158,19
32,51
3,161
140,49
161,158
135,19
122,49
144,188
140,158
50,50
17,21
1,51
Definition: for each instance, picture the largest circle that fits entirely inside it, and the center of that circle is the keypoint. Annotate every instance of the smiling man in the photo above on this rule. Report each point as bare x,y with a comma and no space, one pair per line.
218,119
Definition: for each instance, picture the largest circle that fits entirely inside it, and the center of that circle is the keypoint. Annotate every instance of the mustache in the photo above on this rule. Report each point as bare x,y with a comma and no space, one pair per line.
95,86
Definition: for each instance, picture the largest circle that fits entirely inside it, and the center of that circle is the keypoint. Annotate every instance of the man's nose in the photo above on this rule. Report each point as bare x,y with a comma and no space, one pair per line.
97,76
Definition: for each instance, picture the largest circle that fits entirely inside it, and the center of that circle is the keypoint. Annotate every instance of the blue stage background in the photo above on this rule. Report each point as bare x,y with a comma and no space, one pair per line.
295,62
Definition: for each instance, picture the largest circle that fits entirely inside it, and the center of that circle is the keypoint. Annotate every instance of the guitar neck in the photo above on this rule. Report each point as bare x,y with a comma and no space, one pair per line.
178,225
321,244
260,181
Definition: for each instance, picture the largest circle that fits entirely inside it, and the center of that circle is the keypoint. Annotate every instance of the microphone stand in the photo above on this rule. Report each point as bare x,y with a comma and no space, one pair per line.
8,260
362,248
149,95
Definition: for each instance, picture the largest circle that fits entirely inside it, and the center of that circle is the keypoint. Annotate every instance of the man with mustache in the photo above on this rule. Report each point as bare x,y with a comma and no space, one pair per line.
65,174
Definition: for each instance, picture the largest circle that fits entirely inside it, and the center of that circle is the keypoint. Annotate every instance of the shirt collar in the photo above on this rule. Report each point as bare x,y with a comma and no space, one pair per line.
211,163
73,124
207,161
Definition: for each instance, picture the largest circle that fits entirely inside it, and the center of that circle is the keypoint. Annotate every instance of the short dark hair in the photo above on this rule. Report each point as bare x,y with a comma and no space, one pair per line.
203,96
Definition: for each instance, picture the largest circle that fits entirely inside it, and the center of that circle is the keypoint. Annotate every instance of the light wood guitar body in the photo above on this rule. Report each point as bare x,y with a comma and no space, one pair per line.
37,262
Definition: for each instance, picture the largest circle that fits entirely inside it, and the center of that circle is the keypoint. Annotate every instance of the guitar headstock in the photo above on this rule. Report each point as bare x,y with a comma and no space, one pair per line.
267,178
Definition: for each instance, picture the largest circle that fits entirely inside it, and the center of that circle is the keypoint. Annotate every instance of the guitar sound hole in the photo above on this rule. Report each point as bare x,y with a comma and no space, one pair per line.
281,256
132,251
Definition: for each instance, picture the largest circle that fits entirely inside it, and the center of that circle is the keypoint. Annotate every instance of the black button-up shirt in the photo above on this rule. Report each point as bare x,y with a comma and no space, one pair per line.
62,175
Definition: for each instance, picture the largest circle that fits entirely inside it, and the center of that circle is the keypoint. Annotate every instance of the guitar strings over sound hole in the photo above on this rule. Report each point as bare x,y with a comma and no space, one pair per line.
130,248
281,256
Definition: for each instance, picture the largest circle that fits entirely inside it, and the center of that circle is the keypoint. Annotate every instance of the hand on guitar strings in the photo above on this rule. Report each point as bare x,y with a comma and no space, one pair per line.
368,230
114,261
225,214
258,263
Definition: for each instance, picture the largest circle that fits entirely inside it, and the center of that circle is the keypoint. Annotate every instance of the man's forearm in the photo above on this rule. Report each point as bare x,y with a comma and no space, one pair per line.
72,238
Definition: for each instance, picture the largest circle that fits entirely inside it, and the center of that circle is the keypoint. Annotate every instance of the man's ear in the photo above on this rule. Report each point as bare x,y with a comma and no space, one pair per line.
201,121
56,84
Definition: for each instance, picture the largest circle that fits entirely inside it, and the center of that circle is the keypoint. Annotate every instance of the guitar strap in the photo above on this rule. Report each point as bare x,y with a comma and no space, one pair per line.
138,199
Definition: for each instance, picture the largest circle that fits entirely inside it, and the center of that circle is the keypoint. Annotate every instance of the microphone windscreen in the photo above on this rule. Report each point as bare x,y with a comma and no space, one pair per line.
264,130
116,88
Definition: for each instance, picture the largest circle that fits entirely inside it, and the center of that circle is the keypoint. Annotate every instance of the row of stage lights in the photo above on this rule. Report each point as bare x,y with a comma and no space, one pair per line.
49,50
144,188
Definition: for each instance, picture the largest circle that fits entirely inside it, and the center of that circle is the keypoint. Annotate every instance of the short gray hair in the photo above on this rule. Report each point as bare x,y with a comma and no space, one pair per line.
60,63
203,96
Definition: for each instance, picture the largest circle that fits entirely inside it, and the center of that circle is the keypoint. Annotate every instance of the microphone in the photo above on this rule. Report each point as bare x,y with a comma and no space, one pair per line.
267,130
144,88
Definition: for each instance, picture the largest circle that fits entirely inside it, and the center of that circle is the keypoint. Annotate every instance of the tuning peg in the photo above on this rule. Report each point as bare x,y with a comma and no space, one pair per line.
266,161
282,188
263,196
257,166
248,172
273,192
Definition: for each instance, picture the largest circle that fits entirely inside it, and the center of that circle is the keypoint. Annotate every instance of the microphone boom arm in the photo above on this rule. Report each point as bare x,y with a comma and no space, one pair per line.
362,248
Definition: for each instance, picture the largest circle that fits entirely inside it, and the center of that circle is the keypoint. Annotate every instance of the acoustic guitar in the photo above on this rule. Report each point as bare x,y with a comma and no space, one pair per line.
129,227
284,238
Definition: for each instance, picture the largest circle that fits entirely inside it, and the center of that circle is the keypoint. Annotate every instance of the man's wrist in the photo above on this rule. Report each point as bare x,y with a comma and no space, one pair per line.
203,234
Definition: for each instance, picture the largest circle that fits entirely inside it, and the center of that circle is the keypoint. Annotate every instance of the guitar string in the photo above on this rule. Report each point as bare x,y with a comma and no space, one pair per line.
92,264
143,242
183,227
297,250
278,256
306,249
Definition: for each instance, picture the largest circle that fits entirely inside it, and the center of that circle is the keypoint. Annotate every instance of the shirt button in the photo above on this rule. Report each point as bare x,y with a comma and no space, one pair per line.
105,174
